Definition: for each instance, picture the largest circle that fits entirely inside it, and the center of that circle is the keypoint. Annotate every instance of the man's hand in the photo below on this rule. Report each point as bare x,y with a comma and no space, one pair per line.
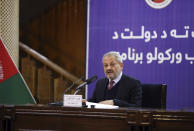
107,102
84,101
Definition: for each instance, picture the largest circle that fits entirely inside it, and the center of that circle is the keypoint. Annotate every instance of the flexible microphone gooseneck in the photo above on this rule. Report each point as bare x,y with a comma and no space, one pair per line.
73,84
88,81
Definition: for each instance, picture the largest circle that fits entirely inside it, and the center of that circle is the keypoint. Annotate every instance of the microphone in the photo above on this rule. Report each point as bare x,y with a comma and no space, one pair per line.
88,81
68,89
60,103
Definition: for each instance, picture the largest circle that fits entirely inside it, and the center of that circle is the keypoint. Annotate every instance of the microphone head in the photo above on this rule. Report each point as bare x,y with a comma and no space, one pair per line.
92,79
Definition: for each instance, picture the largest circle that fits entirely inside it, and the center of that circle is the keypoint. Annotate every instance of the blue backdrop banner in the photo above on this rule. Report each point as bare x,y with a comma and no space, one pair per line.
155,39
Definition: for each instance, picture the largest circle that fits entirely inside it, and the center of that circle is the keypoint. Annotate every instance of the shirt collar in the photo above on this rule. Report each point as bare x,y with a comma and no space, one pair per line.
117,79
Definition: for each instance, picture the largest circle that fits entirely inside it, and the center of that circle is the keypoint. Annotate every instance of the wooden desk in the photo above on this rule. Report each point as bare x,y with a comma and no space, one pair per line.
1,117
83,119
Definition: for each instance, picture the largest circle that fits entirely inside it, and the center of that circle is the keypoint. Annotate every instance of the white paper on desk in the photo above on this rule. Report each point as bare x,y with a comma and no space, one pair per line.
101,106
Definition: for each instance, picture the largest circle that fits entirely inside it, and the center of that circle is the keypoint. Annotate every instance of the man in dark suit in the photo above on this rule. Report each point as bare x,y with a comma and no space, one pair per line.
117,88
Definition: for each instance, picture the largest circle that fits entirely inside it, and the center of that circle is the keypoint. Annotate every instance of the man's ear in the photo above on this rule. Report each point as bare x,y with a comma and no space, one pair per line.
121,64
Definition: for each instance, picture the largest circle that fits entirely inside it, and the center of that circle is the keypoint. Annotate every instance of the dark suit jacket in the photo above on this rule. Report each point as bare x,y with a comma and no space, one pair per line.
129,92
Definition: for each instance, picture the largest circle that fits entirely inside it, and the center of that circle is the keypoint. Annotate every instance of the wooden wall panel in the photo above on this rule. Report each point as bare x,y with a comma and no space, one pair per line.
59,89
44,91
28,70
59,34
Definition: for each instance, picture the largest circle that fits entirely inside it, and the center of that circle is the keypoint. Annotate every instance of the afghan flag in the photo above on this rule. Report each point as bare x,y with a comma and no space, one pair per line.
13,89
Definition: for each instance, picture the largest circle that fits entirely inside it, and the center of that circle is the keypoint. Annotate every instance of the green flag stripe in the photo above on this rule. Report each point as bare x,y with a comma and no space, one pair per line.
14,91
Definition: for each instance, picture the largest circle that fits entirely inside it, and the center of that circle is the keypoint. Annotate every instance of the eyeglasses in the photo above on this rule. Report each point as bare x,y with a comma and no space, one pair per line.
111,65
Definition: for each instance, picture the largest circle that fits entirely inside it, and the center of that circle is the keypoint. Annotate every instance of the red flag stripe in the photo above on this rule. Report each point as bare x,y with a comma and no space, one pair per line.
7,67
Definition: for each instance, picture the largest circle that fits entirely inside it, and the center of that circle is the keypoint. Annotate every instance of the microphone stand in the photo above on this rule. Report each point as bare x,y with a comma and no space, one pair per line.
60,103
88,81
73,84
69,87
77,91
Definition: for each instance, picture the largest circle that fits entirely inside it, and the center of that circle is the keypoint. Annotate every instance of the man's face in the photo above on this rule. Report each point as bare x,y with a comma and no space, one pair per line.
112,68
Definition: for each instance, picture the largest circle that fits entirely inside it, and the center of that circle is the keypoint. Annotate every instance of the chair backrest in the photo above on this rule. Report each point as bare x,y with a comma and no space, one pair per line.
154,96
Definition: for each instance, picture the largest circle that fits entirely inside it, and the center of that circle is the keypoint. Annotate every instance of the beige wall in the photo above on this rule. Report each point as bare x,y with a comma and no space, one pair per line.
9,27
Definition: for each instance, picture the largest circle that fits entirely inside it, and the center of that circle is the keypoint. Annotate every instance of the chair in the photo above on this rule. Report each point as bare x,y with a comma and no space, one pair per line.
154,96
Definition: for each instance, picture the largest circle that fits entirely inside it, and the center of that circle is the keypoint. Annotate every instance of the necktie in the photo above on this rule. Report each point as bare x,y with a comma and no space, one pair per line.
111,84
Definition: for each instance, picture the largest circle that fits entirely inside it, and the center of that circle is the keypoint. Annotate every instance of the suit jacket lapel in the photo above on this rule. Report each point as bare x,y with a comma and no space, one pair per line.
120,88
104,87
